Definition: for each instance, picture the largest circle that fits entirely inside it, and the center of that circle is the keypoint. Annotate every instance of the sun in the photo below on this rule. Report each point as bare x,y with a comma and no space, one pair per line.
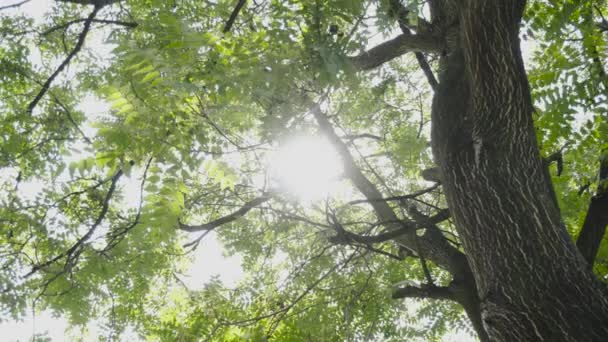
307,167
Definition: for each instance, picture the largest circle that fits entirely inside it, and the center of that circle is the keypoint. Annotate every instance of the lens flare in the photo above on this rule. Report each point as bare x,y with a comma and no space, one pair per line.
307,167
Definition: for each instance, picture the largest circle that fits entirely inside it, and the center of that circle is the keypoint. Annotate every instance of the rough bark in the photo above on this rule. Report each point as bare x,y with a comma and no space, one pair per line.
596,220
532,282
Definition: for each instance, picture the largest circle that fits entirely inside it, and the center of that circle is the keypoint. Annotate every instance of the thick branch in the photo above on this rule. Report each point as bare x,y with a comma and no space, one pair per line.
406,227
225,219
394,48
426,291
233,16
596,220
431,174
436,247
364,185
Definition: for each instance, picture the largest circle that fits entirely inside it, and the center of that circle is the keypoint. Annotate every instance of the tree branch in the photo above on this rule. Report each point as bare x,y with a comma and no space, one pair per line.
436,247
596,220
14,5
97,3
345,236
402,13
101,21
337,267
115,237
225,219
394,48
66,61
425,291
282,311
72,253
603,26
233,15
431,174
68,114
354,137
556,157
396,198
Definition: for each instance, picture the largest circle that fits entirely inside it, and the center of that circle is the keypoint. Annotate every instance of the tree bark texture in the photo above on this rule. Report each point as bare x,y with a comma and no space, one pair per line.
532,282
596,220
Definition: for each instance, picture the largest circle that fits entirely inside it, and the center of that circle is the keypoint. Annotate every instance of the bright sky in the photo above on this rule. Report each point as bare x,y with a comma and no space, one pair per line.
308,167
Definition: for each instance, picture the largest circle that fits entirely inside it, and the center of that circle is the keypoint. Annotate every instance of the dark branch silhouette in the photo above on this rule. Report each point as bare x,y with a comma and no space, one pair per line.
425,291
395,198
66,61
73,252
225,219
100,21
402,14
14,5
344,236
233,15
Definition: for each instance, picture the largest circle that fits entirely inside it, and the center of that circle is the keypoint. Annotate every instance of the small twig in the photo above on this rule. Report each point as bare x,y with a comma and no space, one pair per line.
402,13
362,136
285,310
395,198
71,118
194,243
558,158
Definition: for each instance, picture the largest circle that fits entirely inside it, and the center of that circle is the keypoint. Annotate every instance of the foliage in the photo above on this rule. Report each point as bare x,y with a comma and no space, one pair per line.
93,205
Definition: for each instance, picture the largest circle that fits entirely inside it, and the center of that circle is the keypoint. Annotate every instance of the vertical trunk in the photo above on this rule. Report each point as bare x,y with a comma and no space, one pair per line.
531,280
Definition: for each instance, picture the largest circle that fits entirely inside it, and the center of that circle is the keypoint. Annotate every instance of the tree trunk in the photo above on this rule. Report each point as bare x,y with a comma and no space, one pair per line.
532,282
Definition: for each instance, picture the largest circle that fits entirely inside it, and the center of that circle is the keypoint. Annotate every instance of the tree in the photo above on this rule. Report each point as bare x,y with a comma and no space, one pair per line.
467,214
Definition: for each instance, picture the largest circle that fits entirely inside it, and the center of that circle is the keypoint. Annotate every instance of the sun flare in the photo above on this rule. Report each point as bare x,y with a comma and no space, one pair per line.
308,168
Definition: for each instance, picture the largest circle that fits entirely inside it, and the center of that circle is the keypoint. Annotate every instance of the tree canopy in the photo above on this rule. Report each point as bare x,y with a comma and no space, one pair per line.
132,129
